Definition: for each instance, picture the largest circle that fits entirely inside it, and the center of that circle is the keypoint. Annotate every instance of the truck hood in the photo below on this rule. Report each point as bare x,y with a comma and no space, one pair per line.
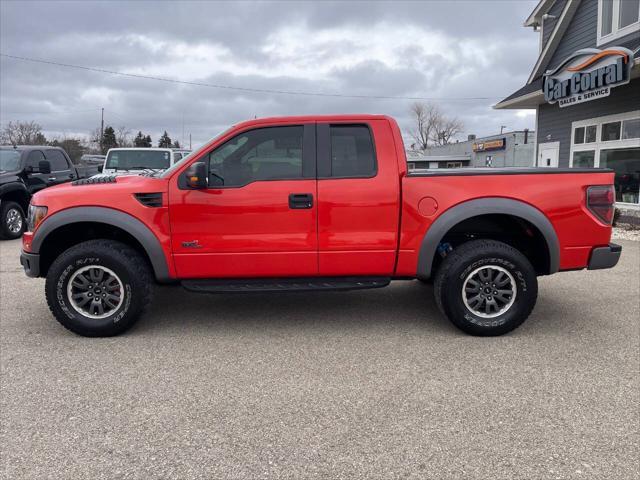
101,191
9,177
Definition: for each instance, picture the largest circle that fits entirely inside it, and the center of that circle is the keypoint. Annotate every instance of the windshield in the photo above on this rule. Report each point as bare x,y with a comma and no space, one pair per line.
138,159
9,160
179,163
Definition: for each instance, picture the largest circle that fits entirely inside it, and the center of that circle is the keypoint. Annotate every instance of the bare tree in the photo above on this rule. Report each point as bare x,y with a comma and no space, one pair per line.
431,126
123,135
446,129
423,115
23,133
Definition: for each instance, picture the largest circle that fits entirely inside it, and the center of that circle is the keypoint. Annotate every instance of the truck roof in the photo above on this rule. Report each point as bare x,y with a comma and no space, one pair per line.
316,118
23,148
146,149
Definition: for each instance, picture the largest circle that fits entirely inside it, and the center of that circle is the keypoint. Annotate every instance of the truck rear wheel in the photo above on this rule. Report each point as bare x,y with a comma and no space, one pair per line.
99,288
12,220
486,287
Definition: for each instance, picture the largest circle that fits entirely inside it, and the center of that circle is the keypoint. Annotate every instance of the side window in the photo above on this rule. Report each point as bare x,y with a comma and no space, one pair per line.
176,157
34,159
262,154
352,152
58,160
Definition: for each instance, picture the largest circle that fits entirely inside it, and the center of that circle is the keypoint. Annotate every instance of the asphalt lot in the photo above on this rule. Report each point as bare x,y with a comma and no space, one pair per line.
366,384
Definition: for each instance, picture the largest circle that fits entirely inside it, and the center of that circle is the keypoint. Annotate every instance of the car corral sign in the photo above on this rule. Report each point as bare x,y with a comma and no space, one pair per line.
587,75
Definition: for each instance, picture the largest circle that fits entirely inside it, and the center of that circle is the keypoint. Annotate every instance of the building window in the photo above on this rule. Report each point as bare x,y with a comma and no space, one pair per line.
611,131
625,162
585,159
585,134
454,164
611,142
617,18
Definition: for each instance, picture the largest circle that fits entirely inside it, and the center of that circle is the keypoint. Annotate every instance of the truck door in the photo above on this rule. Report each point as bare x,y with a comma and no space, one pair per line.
358,198
258,216
60,168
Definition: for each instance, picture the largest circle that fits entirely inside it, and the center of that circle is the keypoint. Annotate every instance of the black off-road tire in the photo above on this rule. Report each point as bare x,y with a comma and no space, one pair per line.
130,268
460,264
6,208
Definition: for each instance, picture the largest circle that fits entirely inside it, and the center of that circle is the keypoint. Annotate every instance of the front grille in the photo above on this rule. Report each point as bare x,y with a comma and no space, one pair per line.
153,200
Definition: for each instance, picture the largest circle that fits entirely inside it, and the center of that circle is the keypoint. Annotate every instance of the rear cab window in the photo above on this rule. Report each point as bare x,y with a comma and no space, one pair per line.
58,160
137,159
346,151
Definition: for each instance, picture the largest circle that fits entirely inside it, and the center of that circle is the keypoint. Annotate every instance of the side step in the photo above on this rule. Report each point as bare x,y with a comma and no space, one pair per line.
236,285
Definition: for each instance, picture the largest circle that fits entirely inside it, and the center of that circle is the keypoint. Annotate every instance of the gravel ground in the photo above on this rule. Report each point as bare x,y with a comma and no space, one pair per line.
626,233
365,384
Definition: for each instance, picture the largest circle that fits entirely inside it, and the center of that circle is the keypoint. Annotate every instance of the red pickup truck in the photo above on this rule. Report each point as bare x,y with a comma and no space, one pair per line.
316,203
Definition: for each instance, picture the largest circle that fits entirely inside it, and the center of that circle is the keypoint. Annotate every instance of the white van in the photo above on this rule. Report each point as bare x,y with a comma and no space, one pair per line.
132,161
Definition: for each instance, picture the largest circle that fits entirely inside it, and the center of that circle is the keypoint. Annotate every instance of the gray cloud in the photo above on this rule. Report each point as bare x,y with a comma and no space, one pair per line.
446,50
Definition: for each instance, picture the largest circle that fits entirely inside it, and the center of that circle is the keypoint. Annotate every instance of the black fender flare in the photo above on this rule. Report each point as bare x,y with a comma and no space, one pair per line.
107,216
485,206
16,187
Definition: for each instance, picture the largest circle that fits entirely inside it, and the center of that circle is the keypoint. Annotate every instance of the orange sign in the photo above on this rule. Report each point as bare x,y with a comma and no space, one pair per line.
490,145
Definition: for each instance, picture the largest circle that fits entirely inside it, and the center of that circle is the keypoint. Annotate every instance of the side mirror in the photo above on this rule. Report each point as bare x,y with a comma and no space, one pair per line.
100,168
196,175
44,166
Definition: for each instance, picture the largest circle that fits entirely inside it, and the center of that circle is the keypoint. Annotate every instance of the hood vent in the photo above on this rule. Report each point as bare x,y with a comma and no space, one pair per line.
153,200
95,180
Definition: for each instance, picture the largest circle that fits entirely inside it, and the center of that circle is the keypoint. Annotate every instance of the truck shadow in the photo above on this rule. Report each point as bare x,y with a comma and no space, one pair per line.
404,304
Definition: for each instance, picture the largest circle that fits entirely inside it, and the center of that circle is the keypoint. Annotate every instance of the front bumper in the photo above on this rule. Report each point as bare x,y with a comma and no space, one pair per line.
31,263
604,257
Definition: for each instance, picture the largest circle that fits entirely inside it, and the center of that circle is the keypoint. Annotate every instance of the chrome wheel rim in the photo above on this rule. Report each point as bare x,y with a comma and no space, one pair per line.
95,291
14,220
489,291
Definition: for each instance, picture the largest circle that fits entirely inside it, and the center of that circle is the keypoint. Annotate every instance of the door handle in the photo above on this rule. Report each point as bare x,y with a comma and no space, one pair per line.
299,201
51,179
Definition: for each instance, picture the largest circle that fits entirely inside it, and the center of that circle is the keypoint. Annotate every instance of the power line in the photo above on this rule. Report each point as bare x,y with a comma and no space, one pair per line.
240,89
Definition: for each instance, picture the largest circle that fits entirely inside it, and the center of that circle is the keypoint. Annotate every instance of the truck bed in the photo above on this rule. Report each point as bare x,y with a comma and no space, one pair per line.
430,196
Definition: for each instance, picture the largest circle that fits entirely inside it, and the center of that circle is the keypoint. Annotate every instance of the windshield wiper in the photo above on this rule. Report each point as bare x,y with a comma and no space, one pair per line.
145,168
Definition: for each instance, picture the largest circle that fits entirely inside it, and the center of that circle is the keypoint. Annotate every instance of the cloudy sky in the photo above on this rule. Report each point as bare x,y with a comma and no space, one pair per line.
465,55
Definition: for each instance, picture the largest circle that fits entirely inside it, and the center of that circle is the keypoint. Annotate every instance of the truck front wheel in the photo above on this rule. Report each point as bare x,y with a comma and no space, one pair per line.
12,220
98,288
486,287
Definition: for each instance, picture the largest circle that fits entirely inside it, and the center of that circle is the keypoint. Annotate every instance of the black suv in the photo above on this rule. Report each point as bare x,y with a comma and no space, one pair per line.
23,171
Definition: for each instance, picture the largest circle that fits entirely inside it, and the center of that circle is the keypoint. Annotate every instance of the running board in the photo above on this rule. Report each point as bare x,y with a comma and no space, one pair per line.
233,285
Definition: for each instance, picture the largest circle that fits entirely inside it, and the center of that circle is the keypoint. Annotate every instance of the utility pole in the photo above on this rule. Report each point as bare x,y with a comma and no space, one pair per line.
189,141
101,129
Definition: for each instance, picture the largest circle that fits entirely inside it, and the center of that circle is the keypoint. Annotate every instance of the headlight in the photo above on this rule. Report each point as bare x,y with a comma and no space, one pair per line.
36,215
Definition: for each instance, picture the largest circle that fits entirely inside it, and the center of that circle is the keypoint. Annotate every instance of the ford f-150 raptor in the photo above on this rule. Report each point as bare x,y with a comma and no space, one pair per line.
316,203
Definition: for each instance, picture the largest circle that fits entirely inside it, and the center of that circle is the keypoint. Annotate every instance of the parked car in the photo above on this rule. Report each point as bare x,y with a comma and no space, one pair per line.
92,159
25,170
316,203
133,161
179,154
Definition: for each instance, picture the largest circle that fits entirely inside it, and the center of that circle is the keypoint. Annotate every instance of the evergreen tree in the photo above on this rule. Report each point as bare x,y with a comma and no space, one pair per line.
140,140
108,139
176,144
147,141
165,140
